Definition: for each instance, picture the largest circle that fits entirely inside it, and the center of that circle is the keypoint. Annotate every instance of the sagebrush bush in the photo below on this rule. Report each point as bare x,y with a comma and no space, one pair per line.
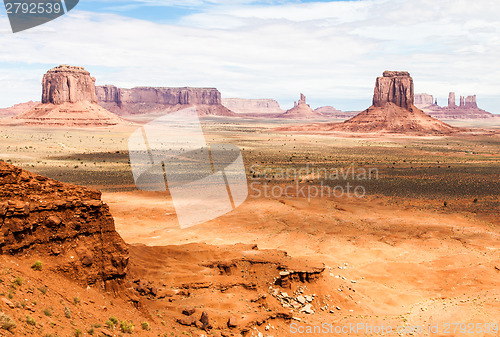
6,323
37,265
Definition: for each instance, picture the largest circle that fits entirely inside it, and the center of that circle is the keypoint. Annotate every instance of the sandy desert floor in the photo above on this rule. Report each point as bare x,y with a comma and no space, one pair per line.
422,247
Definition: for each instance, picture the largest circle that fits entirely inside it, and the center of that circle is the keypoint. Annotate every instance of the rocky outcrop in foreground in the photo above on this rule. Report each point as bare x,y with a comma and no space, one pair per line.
66,227
68,99
149,100
252,106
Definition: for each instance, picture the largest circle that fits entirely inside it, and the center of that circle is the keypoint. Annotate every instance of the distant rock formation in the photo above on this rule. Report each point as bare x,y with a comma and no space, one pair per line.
423,100
68,99
393,111
149,100
65,224
17,109
394,87
330,111
451,100
68,84
467,109
252,106
301,110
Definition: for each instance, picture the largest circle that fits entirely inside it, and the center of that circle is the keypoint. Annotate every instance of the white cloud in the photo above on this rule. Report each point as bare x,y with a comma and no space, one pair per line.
330,51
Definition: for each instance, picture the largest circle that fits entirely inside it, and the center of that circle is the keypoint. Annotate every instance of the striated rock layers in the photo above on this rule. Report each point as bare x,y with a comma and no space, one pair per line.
393,111
68,99
149,100
301,110
467,109
252,106
67,227
68,84
394,87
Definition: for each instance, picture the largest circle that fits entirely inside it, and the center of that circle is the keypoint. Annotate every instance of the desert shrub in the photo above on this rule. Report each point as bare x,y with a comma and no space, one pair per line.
109,324
43,289
47,312
37,265
11,294
6,323
114,320
67,312
76,300
126,327
18,281
30,320
145,326
78,333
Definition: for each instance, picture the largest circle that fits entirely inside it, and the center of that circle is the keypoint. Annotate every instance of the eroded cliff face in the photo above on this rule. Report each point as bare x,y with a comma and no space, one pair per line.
68,84
145,100
67,227
394,87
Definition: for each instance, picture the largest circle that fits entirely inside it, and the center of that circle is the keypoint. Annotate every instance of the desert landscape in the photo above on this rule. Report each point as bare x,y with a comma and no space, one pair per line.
381,222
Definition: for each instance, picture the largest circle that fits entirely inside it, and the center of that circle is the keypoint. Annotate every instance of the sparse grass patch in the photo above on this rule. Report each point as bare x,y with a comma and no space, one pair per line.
18,281
30,320
114,320
126,327
6,323
37,265
67,312
47,312
43,289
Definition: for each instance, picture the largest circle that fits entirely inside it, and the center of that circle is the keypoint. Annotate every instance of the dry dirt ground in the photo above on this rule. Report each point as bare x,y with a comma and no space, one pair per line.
421,248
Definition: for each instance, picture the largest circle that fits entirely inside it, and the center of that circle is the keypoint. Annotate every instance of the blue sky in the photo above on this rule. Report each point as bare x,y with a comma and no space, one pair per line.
332,51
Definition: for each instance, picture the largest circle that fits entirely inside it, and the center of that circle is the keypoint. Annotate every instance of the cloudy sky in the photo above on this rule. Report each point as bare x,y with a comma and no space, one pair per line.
332,51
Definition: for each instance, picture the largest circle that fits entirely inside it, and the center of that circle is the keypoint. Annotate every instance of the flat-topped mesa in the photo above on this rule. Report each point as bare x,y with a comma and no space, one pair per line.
389,73
394,87
68,84
144,100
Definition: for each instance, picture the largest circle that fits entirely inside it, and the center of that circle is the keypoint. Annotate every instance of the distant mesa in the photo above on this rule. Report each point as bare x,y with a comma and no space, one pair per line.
17,109
467,108
393,111
252,106
68,84
301,110
68,99
158,100
332,112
